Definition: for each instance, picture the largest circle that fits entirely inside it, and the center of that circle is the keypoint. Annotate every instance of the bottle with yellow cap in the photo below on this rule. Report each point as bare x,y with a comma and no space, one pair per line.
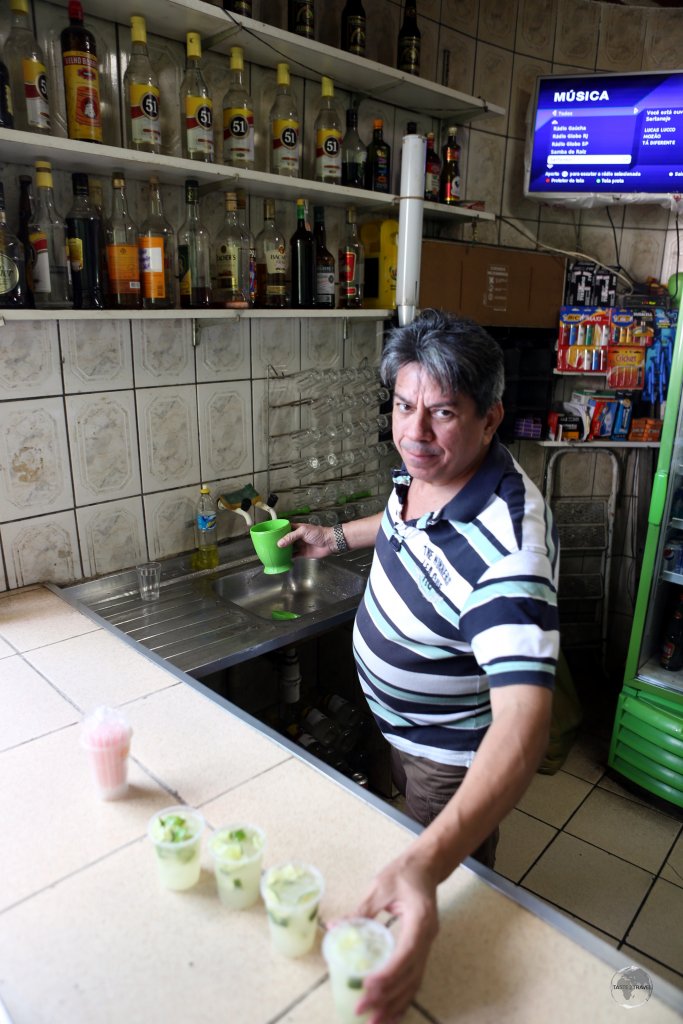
28,75
285,128
47,235
196,108
238,116
328,137
141,92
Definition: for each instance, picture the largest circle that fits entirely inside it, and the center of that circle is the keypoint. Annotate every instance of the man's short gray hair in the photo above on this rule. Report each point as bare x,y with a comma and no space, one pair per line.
456,352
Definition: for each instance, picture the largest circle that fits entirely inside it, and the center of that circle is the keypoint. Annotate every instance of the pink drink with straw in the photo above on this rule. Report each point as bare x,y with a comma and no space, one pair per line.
106,736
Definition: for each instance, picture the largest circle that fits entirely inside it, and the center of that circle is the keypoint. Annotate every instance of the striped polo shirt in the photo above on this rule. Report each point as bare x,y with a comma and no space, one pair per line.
457,601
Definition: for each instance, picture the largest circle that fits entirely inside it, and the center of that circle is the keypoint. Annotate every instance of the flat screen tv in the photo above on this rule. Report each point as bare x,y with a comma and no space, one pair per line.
606,138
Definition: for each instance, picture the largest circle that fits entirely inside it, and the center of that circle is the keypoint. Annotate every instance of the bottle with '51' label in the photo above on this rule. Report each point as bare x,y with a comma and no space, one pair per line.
196,106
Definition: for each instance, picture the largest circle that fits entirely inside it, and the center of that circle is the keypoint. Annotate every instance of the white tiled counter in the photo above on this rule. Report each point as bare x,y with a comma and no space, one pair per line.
88,935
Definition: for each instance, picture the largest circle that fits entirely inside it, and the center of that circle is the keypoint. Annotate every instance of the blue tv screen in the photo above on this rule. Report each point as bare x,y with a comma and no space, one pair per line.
606,135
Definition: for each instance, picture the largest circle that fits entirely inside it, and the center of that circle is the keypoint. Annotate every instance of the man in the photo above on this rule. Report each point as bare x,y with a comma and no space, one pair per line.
456,639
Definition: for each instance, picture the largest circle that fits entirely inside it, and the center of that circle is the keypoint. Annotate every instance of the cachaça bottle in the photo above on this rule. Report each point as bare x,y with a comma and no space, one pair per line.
328,137
47,234
194,254
271,262
84,238
232,255
196,107
121,241
81,78
351,265
302,261
26,210
142,95
28,75
249,272
432,171
324,263
301,18
12,263
156,251
353,26
285,128
354,153
238,116
378,166
449,191
409,40
6,104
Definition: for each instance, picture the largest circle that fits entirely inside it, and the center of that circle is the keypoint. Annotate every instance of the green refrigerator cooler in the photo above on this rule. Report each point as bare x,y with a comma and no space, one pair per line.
647,738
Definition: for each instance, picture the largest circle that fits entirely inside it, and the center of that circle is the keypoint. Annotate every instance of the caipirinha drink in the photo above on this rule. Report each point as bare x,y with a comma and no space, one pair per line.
176,833
292,893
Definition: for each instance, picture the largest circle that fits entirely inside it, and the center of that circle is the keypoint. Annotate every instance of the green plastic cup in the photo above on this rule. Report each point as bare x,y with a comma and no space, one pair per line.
264,537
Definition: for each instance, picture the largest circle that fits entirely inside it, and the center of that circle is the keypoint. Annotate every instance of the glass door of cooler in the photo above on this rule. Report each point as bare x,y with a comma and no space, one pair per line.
667,577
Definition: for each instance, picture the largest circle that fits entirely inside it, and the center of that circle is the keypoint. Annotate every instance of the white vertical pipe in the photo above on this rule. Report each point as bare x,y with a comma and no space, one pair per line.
410,211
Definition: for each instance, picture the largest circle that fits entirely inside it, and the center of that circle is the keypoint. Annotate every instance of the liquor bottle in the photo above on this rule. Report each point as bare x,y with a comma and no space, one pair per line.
28,76
81,78
194,266
285,128
6,105
26,210
156,252
121,242
671,655
238,6
302,261
271,262
206,554
378,166
328,137
84,238
353,26
301,18
346,714
142,96
12,263
351,265
354,153
47,233
232,254
326,754
238,116
432,171
449,191
249,272
324,263
196,108
409,38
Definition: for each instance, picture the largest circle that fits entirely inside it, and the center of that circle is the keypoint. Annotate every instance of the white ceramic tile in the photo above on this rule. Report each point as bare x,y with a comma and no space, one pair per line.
42,550
642,251
485,169
274,343
535,28
225,433
162,352
169,446
104,450
223,350
112,536
663,40
96,354
29,360
6,650
492,77
34,458
170,521
497,22
525,71
363,345
462,15
34,617
322,344
622,35
458,51
576,33
274,418
30,706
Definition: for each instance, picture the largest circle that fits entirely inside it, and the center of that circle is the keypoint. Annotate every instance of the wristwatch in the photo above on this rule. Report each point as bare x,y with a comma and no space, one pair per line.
339,539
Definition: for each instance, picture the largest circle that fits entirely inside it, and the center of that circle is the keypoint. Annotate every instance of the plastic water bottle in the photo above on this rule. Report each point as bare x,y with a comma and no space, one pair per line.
206,555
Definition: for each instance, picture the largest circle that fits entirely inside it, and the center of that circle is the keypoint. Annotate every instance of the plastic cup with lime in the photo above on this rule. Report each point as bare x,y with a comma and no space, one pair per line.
176,833
292,894
237,852
354,949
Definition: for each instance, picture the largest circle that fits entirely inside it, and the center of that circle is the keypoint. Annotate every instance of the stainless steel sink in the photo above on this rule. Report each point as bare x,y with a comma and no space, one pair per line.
310,586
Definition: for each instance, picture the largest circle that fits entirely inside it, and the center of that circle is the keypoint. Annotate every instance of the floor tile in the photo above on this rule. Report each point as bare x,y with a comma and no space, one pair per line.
110,670
587,758
522,839
657,968
317,1008
657,930
6,650
612,785
611,940
29,706
554,798
35,617
640,835
673,869
590,883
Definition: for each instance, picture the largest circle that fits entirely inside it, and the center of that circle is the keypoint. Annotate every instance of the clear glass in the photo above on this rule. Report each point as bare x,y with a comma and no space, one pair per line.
194,255
156,248
354,153
51,269
238,121
328,137
285,133
271,262
13,291
86,251
141,97
249,269
232,260
121,241
28,77
196,112
351,266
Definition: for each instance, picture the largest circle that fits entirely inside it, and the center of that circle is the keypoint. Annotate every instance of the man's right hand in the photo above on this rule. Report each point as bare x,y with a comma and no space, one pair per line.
310,541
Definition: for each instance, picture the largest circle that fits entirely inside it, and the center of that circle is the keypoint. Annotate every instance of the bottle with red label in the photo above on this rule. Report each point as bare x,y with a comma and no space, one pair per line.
351,265
121,241
141,92
432,171
196,107
47,235
28,74
81,78
449,192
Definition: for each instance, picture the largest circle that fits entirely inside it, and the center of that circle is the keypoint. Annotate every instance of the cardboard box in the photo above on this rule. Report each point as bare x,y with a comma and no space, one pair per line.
380,242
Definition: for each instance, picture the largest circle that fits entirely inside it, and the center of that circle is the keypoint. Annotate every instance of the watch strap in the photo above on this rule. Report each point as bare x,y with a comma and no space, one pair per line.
339,539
